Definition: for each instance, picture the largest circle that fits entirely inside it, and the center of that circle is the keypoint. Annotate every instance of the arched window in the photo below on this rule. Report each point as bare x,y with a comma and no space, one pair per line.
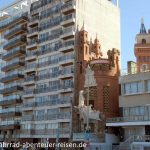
86,50
143,41
144,68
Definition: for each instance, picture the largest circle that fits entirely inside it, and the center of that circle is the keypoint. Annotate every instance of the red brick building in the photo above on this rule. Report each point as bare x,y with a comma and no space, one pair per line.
105,96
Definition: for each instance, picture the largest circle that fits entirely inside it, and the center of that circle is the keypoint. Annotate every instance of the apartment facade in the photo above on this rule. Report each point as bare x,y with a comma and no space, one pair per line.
134,120
134,106
40,54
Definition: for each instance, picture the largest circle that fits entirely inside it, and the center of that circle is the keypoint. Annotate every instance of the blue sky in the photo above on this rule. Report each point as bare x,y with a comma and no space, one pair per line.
131,13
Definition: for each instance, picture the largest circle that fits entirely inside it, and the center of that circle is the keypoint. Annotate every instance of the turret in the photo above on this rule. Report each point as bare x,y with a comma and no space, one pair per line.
97,48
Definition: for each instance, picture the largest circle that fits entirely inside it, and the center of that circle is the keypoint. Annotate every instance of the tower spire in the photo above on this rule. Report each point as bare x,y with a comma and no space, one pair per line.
143,29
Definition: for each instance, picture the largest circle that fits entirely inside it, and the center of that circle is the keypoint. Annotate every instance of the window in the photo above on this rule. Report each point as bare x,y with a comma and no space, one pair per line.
143,41
133,88
144,67
86,50
148,85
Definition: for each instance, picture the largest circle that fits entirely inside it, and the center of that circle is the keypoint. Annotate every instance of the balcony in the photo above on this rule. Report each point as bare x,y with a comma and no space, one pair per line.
68,33
32,67
66,59
46,133
67,46
67,89
59,116
128,121
28,106
9,125
13,99
12,89
10,22
16,52
62,102
47,76
29,80
20,29
93,137
13,65
48,50
68,7
31,55
47,89
33,21
66,75
11,77
27,118
19,40
29,93
68,20
32,44
33,32
50,37
10,112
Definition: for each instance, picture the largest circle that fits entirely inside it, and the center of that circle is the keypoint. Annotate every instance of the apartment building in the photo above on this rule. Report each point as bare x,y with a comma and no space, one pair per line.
40,56
134,120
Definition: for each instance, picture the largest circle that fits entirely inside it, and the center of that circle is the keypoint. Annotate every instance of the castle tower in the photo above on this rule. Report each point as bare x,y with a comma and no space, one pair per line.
97,48
84,45
142,49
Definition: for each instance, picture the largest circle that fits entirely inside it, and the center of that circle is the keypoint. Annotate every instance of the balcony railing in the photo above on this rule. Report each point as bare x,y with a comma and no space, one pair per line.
9,122
13,21
10,100
15,31
27,118
50,62
54,22
29,92
68,32
12,76
68,6
31,104
34,20
67,46
12,65
65,59
93,137
30,78
50,37
48,89
11,89
32,42
53,102
31,53
10,110
135,70
68,20
31,66
38,4
59,116
13,53
68,17
47,76
33,30
49,133
128,119
14,42
48,50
